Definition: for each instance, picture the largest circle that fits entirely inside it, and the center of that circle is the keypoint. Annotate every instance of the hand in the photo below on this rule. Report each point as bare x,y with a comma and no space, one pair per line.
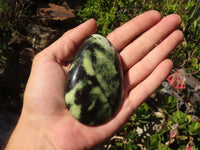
45,122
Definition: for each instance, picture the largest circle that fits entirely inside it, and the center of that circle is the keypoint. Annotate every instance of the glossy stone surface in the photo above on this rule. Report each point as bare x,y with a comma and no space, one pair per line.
94,89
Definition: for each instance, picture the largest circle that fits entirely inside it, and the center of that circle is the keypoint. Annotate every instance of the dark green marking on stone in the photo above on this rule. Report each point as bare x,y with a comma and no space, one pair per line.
94,90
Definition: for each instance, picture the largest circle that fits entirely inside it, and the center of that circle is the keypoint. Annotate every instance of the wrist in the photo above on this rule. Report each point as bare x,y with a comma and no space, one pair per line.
28,136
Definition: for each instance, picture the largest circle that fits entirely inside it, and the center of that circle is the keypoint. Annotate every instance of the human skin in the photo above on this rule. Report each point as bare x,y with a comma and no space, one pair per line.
45,122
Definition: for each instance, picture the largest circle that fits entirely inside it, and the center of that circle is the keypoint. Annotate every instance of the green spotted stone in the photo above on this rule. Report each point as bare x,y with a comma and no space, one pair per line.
94,89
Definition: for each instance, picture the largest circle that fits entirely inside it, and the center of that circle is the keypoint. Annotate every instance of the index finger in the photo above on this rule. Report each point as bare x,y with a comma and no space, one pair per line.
127,32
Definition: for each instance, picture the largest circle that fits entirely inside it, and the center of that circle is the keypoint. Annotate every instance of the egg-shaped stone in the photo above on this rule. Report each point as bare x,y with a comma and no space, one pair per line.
94,86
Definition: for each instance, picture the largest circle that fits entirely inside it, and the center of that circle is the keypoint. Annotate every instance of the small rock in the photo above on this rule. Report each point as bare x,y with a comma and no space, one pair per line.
55,15
40,36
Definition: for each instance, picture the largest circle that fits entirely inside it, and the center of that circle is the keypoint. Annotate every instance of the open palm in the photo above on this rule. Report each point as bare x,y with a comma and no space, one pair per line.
145,67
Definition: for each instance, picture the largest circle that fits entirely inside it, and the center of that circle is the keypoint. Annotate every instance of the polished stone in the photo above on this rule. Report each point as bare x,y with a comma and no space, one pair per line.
94,90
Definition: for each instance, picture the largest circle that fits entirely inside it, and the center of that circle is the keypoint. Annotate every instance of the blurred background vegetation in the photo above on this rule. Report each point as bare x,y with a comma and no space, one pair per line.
172,129
111,14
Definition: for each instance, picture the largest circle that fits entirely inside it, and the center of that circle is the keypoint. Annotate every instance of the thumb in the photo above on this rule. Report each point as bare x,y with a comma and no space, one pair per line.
66,46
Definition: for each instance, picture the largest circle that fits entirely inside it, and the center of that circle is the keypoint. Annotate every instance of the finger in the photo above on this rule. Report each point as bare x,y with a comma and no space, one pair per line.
141,46
66,46
125,34
144,67
143,90
138,95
